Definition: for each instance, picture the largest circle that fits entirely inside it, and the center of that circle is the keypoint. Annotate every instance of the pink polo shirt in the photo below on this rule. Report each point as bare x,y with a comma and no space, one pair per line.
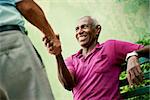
97,74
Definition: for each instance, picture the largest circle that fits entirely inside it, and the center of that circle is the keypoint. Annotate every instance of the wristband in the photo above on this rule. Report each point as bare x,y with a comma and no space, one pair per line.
134,53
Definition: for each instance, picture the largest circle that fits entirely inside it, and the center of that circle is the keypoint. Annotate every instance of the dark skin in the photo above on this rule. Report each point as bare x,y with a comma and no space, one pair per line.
134,73
64,76
86,35
34,14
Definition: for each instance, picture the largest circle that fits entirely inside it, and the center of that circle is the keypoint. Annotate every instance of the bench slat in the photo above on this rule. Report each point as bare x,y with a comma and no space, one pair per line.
125,82
137,92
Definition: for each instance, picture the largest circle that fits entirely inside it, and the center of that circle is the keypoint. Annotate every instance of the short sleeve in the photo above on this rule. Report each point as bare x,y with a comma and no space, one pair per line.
122,48
16,1
70,65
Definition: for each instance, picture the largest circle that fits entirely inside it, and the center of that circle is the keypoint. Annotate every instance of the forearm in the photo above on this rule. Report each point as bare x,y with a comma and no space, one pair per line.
64,75
134,72
144,52
34,14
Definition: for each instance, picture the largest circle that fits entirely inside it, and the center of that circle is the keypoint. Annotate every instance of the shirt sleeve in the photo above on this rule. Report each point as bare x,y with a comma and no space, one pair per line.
16,1
122,48
70,65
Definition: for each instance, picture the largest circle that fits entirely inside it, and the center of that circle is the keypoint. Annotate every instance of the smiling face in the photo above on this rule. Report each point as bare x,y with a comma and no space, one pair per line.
86,32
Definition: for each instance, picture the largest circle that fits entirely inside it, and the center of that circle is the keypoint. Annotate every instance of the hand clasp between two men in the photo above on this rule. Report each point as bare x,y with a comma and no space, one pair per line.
53,45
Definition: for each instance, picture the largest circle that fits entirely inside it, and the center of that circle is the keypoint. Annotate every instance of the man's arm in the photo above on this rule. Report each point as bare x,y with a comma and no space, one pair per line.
34,14
64,76
144,52
134,73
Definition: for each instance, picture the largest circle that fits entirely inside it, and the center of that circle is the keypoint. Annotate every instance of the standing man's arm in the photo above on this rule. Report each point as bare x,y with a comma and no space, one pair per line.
134,73
34,14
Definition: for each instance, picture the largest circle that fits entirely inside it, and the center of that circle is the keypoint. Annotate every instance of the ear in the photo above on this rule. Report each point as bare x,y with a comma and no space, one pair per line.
98,29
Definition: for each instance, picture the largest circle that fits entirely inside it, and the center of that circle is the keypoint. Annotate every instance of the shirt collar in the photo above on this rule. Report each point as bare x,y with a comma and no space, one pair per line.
97,47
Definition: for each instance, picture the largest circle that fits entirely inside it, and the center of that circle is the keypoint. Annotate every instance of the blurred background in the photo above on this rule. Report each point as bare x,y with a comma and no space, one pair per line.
126,20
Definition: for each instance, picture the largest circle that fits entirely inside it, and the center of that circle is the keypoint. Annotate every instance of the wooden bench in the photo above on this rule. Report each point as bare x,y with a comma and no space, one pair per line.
138,90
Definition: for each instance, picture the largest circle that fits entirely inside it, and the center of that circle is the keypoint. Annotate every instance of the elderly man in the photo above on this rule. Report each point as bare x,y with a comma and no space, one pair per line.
93,72
22,73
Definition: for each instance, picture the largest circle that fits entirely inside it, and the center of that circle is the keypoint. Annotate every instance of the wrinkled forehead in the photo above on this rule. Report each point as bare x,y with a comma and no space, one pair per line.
83,21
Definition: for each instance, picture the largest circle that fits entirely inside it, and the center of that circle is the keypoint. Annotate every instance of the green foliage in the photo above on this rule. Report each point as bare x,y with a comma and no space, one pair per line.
145,39
132,6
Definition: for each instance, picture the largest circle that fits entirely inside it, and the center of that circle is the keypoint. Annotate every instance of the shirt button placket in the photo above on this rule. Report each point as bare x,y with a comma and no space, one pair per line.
83,62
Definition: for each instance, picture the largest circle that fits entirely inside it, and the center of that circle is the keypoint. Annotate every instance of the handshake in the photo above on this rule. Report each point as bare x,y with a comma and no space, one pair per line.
53,45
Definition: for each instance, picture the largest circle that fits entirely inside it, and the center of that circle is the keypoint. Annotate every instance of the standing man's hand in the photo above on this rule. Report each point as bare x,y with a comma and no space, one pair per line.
53,45
35,15
134,73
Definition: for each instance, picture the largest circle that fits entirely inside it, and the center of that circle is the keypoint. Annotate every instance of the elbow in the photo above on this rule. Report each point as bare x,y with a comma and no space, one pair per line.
69,88
25,7
68,83
27,10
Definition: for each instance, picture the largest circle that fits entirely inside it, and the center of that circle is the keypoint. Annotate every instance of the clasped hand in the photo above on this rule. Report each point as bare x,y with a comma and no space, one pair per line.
53,45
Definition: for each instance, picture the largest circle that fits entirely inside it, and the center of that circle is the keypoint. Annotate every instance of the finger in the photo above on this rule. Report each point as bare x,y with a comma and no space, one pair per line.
136,81
135,71
129,79
43,38
141,75
134,78
55,50
50,44
139,69
57,35
138,76
45,42
132,75
50,48
52,52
